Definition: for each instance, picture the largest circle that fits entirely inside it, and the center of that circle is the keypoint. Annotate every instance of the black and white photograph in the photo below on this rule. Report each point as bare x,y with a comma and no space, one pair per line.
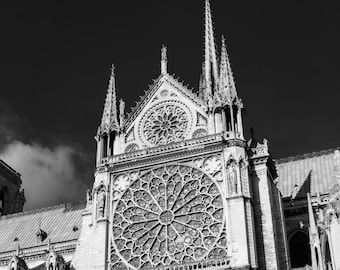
169,135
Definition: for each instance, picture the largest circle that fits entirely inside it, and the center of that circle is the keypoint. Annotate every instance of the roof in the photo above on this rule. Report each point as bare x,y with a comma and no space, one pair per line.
61,223
311,172
43,266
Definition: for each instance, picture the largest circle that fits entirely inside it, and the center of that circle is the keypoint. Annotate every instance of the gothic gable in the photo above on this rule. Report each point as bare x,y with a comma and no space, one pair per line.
168,113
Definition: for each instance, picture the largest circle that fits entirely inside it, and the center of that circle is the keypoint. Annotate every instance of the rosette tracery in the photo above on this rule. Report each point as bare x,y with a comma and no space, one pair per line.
169,215
165,124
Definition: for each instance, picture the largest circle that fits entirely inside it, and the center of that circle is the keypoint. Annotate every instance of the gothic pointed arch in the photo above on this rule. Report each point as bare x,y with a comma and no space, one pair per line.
55,261
17,263
299,248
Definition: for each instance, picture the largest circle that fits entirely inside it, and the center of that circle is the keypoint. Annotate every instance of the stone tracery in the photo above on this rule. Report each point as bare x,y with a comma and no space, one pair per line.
169,215
165,123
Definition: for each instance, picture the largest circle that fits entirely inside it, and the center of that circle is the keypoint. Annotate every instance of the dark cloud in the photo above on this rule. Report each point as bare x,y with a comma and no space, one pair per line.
52,174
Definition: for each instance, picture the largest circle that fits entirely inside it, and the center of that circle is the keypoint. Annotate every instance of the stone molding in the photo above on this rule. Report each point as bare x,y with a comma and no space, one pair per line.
165,152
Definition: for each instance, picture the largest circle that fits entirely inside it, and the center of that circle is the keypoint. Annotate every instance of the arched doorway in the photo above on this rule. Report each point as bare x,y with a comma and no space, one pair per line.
299,249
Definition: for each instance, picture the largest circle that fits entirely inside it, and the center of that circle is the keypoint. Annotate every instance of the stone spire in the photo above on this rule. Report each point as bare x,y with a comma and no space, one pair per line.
210,58
109,119
164,60
226,79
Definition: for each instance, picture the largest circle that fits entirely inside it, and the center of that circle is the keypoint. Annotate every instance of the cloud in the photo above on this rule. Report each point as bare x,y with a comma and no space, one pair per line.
49,175
53,168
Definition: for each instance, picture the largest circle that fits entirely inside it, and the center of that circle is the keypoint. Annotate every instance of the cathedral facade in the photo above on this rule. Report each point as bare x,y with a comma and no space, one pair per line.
176,183
176,186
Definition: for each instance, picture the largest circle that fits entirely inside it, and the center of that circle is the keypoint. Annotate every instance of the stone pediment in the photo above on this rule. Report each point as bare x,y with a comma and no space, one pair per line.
169,112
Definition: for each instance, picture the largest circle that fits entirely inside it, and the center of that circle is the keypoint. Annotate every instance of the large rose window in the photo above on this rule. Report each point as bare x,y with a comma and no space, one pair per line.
169,215
165,124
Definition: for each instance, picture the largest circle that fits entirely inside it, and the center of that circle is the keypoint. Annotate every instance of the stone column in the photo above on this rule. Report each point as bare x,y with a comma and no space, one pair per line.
239,122
224,120
263,171
98,150
232,118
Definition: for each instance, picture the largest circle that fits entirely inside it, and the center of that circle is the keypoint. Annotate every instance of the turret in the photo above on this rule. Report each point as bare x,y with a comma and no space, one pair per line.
217,87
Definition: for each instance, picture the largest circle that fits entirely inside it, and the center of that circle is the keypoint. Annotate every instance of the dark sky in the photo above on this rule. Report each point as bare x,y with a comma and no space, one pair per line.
55,59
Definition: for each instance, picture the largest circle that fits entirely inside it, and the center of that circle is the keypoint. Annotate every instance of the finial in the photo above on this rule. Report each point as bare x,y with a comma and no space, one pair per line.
164,60
112,78
16,239
113,69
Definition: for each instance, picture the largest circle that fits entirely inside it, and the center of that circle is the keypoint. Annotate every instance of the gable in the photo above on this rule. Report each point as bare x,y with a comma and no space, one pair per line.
168,113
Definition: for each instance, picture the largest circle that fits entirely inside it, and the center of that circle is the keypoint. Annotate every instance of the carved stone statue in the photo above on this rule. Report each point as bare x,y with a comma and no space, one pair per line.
101,201
232,178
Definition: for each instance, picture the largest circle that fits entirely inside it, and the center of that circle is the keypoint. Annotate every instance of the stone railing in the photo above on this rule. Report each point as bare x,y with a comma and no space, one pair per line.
164,148
208,264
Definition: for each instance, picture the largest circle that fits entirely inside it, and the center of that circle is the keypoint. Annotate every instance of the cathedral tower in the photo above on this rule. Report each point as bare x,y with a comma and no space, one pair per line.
177,185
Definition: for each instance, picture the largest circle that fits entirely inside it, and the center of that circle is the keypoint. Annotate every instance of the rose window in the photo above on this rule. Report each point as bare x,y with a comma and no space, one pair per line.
169,215
165,124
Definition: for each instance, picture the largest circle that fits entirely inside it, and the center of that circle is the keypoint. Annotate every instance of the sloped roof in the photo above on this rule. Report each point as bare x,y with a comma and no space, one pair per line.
40,267
43,267
312,173
62,223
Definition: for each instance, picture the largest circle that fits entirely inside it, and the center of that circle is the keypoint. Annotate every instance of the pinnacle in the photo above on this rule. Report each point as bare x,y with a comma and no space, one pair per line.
109,118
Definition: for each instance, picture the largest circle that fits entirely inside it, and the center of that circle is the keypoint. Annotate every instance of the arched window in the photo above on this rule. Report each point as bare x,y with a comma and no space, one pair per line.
111,143
299,249
104,145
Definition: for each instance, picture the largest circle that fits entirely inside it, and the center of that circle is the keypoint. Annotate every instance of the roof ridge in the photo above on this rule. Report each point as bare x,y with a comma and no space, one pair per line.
306,155
40,210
